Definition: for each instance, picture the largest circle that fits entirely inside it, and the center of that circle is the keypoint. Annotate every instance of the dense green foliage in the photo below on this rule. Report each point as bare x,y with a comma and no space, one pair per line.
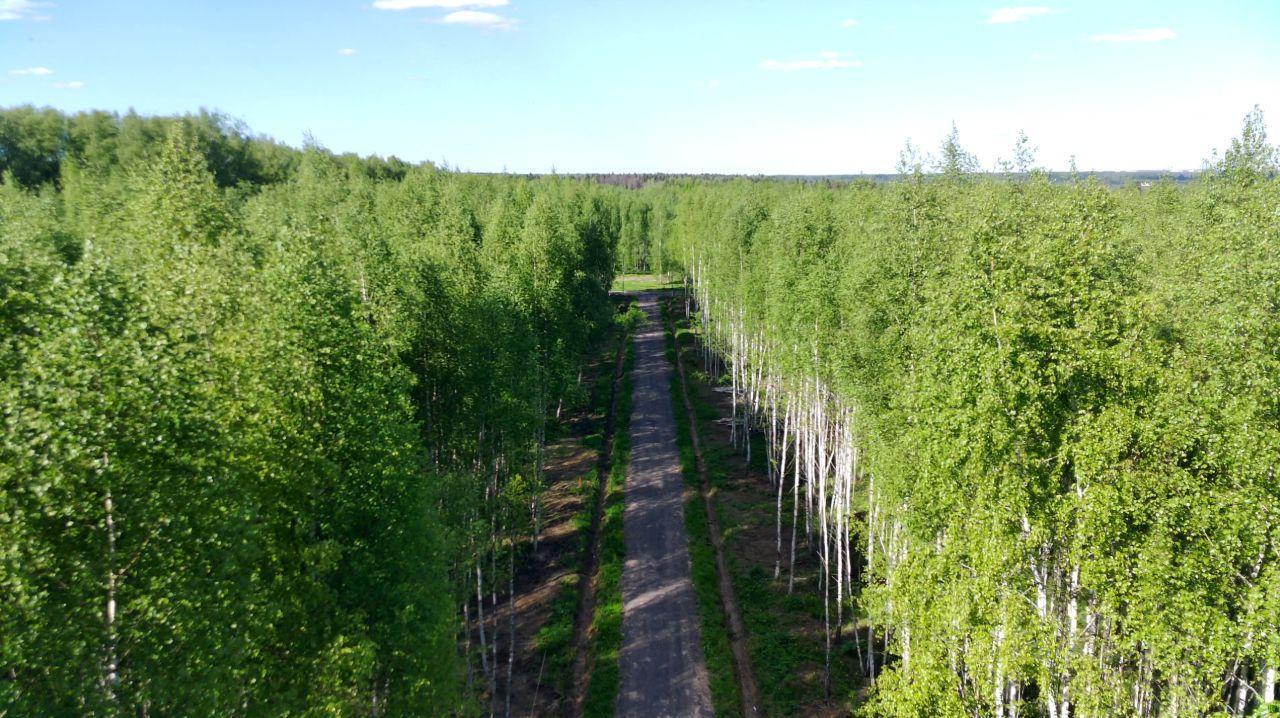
1033,427
271,417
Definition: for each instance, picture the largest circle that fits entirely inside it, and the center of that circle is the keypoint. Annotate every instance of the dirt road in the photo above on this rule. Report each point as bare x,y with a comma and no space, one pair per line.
663,672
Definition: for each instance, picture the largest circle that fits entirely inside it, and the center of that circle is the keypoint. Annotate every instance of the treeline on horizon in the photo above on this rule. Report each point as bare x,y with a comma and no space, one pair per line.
272,418
1031,430
35,141
1109,178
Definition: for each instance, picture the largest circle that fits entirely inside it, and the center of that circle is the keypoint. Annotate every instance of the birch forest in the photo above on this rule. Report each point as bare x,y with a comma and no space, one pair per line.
275,420
272,418
1029,429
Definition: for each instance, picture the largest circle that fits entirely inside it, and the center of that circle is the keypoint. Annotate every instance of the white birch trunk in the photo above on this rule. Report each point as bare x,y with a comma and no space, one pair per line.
999,673
112,672
1242,684
871,552
511,624
782,473
484,646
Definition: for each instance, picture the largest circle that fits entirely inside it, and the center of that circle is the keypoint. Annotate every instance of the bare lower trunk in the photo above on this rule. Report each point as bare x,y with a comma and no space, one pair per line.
782,475
537,687
1242,687
537,476
733,390
111,678
871,546
511,624
795,516
824,519
871,651
466,644
826,634
494,637
484,644
999,677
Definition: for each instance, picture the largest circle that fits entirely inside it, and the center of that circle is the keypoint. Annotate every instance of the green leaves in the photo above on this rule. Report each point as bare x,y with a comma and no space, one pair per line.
252,438
1065,397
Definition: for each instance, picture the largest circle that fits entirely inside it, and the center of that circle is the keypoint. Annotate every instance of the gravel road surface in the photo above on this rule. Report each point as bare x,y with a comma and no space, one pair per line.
661,664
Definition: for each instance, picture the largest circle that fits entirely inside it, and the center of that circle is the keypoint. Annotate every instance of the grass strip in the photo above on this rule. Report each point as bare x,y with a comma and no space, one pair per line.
555,639
606,624
715,631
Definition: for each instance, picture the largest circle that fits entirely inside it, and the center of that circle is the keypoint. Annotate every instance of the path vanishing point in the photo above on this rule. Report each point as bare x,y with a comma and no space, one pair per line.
663,672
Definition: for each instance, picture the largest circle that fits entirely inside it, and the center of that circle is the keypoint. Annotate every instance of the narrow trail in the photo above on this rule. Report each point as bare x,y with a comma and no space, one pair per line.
663,672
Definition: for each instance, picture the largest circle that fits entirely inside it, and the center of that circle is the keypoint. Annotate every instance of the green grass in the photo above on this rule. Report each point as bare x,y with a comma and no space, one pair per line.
555,639
644,282
715,632
606,623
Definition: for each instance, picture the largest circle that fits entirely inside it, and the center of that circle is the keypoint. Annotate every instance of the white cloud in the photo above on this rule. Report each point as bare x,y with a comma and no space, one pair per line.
73,85
412,4
476,17
825,61
1151,35
348,51
22,10
32,71
1006,15
707,84
849,23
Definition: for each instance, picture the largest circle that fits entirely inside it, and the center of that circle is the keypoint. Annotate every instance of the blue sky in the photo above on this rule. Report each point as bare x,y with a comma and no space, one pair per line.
744,87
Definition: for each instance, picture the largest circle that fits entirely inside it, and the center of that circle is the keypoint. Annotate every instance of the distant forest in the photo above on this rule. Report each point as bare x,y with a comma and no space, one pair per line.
35,141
